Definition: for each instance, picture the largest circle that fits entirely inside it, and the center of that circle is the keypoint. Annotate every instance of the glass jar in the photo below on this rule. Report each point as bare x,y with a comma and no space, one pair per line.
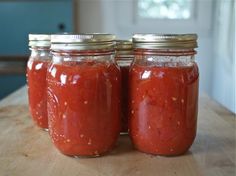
124,57
163,93
84,94
36,77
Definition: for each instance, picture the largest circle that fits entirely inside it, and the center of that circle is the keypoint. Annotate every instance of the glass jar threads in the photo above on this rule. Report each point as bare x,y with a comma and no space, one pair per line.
84,94
36,77
163,93
124,57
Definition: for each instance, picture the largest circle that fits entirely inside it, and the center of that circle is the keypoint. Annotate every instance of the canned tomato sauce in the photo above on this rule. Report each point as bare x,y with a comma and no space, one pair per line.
84,94
124,57
36,77
163,93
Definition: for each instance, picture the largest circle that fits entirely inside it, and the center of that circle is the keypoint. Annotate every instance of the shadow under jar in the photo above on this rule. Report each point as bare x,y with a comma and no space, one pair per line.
84,94
37,66
163,93
124,57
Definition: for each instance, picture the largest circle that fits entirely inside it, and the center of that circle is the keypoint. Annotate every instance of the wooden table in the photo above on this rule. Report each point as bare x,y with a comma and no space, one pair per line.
26,150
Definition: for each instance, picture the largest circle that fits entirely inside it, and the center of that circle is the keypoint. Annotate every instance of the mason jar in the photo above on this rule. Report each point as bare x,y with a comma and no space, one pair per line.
36,77
83,94
124,57
164,93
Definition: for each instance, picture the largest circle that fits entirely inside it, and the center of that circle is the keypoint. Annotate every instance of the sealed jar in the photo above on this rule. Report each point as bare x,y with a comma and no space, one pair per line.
124,57
163,93
36,77
84,94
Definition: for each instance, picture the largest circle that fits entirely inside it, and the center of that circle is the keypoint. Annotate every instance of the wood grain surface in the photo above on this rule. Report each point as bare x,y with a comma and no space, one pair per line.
26,150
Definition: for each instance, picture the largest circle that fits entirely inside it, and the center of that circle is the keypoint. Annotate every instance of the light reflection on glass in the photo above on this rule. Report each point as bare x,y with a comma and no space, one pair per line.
63,78
146,74
39,66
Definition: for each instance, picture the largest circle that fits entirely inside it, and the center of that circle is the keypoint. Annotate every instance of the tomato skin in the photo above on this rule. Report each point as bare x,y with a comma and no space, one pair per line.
84,107
37,91
163,108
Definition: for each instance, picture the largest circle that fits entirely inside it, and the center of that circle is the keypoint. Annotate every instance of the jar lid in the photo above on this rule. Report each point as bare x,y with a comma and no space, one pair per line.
82,41
165,41
124,47
39,40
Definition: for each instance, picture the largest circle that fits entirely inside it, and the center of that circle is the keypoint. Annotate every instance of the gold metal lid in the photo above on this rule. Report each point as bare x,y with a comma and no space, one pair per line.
165,41
39,40
82,41
124,47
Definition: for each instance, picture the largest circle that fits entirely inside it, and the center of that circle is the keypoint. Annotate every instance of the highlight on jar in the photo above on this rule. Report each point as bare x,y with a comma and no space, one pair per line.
124,57
163,93
36,77
84,94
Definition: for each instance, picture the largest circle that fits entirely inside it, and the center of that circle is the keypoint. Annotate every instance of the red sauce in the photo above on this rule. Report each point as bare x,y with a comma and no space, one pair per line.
163,108
36,76
124,98
84,107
